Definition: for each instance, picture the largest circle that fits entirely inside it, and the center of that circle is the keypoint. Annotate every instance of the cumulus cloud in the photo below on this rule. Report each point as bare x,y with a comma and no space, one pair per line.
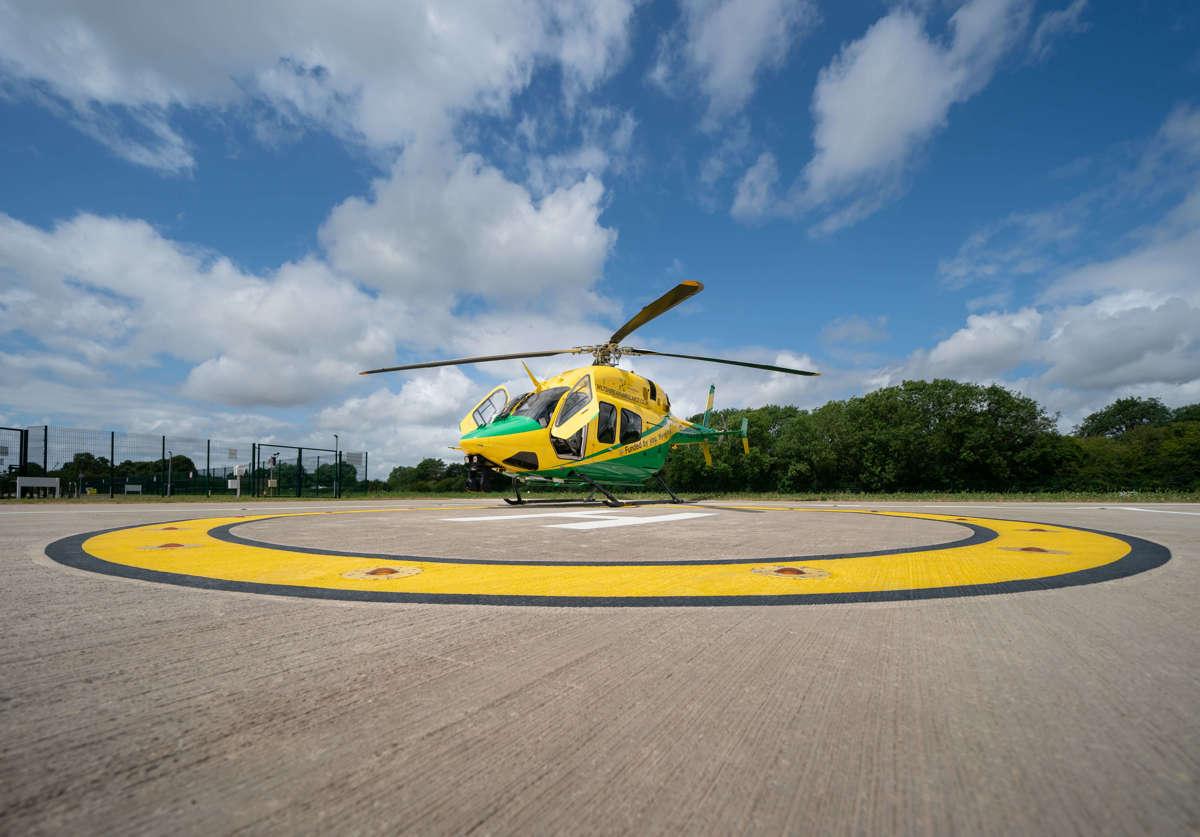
877,105
1095,327
115,295
381,72
724,46
441,226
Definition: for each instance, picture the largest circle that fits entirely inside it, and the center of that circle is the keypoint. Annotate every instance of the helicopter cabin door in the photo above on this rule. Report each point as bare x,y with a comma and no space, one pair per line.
486,410
569,434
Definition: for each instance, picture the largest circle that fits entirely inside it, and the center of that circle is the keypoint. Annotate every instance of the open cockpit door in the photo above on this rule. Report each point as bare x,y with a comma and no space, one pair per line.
578,408
486,410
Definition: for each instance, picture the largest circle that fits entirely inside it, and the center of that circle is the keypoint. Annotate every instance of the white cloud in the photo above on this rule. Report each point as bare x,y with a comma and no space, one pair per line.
606,140
725,45
989,345
1056,24
1023,244
385,72
115,295
878,103
440,227
1120,340
753,198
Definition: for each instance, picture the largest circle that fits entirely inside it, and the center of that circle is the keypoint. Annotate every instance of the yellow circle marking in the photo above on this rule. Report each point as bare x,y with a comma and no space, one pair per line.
1002,559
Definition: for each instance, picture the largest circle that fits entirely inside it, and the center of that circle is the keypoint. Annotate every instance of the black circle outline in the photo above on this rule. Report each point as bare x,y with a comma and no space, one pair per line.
979,534
1143,555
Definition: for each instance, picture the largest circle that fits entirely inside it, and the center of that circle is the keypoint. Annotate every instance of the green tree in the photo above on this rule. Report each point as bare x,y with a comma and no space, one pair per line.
1191,412
1124,414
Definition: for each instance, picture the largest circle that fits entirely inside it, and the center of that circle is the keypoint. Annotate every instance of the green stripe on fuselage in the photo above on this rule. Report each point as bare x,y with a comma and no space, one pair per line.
504,427
635,466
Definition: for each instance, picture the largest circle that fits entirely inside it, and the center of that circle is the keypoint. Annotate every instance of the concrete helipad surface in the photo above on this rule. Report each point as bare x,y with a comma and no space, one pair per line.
449,666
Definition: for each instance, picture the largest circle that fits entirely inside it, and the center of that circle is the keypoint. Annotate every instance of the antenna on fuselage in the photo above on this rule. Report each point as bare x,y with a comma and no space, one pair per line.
537,385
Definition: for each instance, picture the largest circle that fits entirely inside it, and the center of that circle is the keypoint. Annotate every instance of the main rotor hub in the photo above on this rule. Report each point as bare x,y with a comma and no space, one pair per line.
606,354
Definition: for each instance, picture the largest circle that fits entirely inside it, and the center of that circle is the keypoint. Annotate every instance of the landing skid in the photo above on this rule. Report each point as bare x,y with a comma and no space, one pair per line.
610,500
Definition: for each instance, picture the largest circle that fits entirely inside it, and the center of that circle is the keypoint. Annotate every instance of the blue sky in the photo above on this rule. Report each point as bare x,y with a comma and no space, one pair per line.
213,215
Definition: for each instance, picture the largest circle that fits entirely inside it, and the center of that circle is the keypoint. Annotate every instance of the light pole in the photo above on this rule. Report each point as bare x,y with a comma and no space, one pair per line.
170,454
337,462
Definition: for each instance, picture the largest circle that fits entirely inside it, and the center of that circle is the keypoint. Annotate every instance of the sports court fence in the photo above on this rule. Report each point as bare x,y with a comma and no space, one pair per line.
115,464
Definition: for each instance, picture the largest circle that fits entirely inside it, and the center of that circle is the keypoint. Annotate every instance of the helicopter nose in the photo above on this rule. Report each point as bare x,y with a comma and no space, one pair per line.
495,448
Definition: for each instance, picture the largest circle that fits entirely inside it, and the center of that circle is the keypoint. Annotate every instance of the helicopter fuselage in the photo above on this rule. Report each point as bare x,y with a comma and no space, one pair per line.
598,423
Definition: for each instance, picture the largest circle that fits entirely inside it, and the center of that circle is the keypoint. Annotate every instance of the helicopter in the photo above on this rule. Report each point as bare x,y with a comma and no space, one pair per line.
596,428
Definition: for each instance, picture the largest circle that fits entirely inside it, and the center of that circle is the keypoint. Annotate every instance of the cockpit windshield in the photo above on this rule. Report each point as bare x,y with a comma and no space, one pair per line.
539,406
512,405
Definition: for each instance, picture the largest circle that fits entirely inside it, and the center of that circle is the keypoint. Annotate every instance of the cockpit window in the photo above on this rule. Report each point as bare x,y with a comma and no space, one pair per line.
579,397
539,406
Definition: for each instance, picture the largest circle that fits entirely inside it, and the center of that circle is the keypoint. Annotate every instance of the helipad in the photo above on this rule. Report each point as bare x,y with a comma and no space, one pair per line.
957,555
926,668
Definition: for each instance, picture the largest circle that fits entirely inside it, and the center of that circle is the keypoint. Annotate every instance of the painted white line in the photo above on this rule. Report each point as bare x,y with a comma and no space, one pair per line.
1153,511
529,516
606,523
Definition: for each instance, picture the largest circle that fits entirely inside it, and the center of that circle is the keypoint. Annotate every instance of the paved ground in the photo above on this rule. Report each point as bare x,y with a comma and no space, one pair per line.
142,708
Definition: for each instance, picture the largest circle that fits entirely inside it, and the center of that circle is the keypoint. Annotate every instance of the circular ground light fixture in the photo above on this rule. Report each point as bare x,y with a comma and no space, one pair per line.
791,572
381,573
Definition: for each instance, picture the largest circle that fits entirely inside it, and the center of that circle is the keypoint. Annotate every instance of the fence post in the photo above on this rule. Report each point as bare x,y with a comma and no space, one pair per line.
207,466
45,447
162,470
299,472
112,463
366,463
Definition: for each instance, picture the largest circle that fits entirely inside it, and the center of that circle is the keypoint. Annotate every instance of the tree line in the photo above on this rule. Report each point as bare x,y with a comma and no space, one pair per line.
940,435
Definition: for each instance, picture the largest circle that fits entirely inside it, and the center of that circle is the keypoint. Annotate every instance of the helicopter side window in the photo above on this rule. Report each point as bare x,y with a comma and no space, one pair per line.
578,398
539,406
606,425
631,426
653,390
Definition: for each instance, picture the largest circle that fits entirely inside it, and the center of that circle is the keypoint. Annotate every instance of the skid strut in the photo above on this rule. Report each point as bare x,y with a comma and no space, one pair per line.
611,501
667,488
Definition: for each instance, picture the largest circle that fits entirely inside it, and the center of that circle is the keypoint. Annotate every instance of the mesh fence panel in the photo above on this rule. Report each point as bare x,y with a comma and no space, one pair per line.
139,465
10,460
100,462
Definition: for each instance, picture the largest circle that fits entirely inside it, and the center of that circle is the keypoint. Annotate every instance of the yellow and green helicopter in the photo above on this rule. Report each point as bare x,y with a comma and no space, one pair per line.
595,428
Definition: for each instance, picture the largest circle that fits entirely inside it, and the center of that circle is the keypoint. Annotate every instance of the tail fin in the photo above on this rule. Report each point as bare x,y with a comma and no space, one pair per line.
745,437
712,393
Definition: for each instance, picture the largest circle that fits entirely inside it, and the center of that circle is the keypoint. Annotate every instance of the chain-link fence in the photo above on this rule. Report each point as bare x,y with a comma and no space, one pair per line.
116,464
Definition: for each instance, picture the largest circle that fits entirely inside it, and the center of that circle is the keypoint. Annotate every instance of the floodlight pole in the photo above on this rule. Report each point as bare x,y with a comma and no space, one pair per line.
337,461
170,454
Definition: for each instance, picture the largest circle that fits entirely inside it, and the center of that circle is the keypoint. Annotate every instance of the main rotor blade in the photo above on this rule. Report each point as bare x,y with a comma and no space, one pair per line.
766,366
661,305
462,360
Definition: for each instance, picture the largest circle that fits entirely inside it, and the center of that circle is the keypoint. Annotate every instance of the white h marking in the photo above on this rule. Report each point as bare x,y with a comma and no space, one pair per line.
597,519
